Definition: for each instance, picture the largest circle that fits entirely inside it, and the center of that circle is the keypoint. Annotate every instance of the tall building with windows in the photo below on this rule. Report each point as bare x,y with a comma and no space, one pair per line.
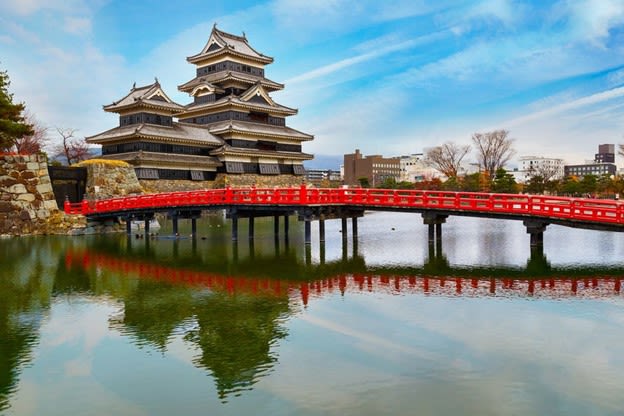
603,164
548,168
232,128
375,169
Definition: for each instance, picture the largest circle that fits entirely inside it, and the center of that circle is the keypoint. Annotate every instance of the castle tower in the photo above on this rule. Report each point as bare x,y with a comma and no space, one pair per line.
231,98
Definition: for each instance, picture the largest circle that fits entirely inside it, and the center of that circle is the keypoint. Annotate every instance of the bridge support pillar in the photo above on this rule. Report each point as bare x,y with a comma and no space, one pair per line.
286,227
174,220
128,226
146,227
344,228
276,227
308,231
434,222
354,230
234,227
251,227
321,231
536,230
194,228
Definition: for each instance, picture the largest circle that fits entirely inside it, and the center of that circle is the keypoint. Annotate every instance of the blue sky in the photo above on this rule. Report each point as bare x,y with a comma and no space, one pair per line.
389,77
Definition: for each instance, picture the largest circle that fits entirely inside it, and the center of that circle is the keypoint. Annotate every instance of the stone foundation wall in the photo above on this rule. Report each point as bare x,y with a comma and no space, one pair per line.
222,180
27,204
110,179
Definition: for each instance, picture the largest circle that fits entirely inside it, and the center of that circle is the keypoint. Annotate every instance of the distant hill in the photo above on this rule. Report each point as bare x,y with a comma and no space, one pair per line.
332,162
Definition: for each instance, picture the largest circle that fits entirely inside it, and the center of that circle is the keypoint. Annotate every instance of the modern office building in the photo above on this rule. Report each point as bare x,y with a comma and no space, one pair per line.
603,164
375,169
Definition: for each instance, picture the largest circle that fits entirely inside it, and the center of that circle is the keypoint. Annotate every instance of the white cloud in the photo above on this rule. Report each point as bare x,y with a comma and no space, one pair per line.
592,20
29,7
377,52
77,25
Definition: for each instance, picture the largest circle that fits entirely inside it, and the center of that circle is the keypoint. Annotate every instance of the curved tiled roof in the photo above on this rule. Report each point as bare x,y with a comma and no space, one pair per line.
222,76
181,132
144,96
257,129
228,43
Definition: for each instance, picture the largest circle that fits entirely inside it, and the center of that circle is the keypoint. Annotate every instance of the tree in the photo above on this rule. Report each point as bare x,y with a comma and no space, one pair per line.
35,142
71,148
364,183
12,123
494,150
504,182
447,158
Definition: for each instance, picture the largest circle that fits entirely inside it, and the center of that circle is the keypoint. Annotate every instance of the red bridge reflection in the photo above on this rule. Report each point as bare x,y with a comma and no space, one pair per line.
560,287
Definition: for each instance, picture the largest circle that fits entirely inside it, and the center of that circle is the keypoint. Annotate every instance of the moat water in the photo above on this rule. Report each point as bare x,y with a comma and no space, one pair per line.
105,325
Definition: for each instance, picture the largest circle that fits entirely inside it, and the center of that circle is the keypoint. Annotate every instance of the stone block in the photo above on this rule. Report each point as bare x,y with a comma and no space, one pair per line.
25,215
50,205
28,174
43,214
32,166
26,197
6,206
7,181
20,166
18,188
44,188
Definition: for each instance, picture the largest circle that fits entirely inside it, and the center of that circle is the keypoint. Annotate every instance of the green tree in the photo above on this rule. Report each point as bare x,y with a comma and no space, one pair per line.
589,184
389,183
472,182
364,182
504,182
535,185
13,126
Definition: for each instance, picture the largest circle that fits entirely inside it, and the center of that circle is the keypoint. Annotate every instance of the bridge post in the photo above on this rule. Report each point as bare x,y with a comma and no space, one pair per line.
354,229
234,217
146,227
322,231
286,227
128,226
307,231
536,229
276,226
174,220
194,228
434,222
251,227
343,221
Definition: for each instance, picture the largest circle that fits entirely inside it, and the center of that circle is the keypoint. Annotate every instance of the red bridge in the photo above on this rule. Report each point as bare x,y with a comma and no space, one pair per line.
536,211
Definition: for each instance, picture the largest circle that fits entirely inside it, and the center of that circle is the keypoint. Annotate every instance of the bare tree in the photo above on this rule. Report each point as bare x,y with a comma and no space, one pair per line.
71,148
35,142
494,150
447,158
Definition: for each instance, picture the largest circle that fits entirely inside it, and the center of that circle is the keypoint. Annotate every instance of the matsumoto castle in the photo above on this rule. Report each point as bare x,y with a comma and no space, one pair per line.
230,131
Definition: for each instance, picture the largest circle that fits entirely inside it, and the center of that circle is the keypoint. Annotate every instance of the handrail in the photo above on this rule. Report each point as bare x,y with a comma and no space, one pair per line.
597,210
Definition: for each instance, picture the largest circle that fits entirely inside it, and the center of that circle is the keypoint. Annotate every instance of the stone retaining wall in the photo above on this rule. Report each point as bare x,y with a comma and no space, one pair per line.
237,181
27,204
110,179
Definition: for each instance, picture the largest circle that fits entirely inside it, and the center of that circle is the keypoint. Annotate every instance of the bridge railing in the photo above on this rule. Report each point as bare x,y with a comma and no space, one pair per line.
608,211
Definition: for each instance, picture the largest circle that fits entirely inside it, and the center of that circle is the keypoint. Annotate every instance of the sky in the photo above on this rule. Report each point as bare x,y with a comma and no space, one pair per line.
389,77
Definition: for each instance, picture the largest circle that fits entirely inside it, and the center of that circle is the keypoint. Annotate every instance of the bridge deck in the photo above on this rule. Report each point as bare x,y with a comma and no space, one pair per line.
573,212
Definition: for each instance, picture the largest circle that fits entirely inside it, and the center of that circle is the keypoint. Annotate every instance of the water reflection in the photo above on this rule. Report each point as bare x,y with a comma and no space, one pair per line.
231,303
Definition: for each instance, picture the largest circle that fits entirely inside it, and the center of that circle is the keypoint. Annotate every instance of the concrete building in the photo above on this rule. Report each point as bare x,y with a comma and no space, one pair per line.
318,176
603,164
548,167
375,168
414,168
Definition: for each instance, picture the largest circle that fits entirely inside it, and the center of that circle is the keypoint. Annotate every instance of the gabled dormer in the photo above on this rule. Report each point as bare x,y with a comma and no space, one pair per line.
147,104
257,94
221,45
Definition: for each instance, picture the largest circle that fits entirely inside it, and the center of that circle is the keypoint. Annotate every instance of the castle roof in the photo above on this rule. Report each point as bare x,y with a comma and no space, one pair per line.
221,42
148,96
178,132
222,76
226,149
257,129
